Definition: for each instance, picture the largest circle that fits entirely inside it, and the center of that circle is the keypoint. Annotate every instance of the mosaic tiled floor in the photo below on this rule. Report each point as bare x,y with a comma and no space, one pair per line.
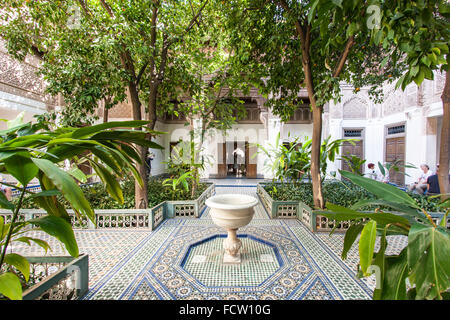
181,259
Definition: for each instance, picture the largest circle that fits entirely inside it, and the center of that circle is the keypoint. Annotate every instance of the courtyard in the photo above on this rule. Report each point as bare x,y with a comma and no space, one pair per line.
224,150
182,259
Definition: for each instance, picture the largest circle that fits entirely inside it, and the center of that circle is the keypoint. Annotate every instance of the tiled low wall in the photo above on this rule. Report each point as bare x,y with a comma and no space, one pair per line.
68,281
279,209
312,219
126,218
189,208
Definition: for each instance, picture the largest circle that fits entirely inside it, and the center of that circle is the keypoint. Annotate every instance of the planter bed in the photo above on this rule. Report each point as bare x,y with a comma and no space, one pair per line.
311,218
56,278
128,218
189,208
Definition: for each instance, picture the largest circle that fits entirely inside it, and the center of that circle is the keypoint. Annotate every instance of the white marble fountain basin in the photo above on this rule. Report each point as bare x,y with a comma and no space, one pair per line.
231,211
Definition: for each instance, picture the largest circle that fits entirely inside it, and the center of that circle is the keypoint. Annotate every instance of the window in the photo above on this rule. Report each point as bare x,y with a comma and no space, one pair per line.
396,129
303,113
348,133
253,112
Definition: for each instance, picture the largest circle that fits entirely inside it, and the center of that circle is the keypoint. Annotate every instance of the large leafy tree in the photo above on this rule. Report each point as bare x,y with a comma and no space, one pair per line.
210,88
289,46
419,31
104,50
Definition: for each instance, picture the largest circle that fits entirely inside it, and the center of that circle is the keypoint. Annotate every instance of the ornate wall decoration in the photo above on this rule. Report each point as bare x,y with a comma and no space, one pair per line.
393,102
336,111
355,108
20,79
20,75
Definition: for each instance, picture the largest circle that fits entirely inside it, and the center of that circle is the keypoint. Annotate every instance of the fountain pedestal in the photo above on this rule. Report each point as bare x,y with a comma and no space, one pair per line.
232,211
232,246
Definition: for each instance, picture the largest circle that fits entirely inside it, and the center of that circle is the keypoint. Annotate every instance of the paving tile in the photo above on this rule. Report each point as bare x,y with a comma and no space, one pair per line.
182,259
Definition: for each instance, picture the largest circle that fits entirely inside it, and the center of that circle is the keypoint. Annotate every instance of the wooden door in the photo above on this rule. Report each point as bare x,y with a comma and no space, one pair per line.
222,161
395,151
250,167
349,150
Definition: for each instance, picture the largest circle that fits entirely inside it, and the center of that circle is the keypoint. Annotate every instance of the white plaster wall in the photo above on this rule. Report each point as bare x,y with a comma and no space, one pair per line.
290,131
11,106
158,167
374,142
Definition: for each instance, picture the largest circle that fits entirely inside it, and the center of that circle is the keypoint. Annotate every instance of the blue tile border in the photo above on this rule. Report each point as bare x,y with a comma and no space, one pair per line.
145,279
235,186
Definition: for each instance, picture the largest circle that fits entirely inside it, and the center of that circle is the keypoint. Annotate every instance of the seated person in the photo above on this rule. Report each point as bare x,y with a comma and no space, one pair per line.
372,173
421,184
433,182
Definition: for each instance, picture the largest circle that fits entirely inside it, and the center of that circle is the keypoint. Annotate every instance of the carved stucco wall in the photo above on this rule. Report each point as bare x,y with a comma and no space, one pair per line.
355,108
19,80
351,105
393,101
431,91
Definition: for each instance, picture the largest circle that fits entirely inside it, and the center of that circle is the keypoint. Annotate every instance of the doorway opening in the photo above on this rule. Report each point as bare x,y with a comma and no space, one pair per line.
236,160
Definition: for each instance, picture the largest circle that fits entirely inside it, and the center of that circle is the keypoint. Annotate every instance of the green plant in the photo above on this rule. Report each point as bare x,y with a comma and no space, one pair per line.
293,162
424,263
29,151
175,182
355,163
185,156
344,193
286,163
328,151
176,163
396,165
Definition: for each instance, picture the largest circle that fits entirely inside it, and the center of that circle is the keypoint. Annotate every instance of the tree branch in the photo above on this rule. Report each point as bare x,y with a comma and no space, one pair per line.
298,25
153,42
164,54
192,11
84,7
343,57
141,73
107,7
190,25
194,19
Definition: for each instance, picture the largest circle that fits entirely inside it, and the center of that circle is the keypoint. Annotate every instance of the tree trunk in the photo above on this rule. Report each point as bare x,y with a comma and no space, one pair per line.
152,106
140,193
305,38
105,115
106,110
444,154
315,158
194,169
152,117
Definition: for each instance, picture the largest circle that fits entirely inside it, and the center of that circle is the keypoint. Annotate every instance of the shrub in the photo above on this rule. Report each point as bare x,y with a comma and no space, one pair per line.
343,193
99,198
